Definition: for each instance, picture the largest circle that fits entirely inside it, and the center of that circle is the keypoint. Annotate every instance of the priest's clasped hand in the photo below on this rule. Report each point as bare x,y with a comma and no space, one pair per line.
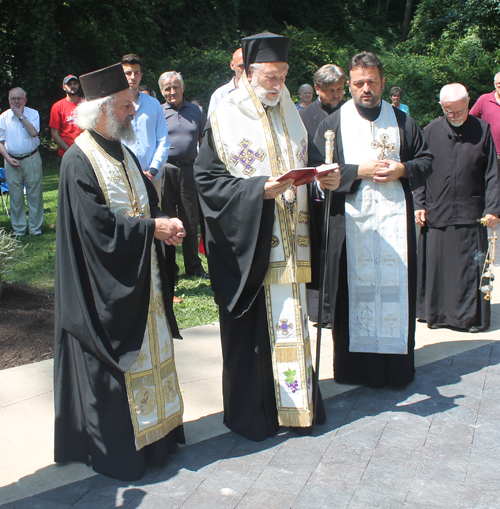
420,217
330,180
383,171
273,188
171,231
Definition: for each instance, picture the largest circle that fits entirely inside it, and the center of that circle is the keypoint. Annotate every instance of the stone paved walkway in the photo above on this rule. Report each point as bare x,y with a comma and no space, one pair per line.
435,444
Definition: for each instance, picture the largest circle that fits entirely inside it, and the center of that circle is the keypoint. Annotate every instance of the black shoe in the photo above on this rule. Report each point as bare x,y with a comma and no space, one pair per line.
327,325
303,432
200,273
474,329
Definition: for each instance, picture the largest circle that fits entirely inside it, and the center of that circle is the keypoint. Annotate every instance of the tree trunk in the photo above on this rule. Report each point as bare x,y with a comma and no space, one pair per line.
406,20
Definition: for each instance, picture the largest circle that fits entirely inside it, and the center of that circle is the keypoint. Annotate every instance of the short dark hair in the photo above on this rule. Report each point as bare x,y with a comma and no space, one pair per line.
131,59
396,91
147,88
365,59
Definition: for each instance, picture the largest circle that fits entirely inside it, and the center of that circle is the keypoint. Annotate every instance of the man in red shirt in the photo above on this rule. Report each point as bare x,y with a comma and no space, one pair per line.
62,116
487,107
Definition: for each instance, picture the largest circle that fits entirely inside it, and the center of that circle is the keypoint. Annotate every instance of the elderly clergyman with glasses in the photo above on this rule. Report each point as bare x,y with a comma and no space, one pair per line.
463,188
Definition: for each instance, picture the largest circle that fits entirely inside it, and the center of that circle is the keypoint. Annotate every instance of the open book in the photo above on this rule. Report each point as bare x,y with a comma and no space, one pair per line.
303,176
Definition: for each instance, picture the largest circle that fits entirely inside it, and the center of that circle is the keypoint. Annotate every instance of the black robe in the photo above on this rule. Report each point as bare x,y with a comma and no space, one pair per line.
237,233
463,187
312,116
370,368
102,290
315,113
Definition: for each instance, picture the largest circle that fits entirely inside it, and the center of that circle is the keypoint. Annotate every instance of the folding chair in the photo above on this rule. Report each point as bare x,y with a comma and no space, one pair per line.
4,188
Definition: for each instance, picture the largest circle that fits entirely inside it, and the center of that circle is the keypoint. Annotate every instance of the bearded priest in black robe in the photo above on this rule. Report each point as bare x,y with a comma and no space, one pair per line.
372,250
463,187
117,400
257,241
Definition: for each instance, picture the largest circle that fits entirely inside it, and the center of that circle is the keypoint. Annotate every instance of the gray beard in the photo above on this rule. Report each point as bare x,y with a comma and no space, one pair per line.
261,93
120,131
456,123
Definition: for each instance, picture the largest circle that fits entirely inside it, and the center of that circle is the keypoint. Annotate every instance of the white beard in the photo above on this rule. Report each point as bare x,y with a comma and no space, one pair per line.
261,93
456,123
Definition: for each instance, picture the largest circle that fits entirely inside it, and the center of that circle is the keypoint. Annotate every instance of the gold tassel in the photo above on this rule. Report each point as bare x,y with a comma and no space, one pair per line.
287,275
297,419
149,437
286,353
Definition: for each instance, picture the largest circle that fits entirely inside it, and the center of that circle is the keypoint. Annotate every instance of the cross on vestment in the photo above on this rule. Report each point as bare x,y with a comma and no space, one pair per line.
302,154
246,156
384,145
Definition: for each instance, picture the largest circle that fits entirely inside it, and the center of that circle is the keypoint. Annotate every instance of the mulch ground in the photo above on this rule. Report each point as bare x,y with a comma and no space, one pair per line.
26,325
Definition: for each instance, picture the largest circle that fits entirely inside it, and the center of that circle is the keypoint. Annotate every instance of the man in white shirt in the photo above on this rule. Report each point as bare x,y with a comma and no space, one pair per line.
19,142
238,68
152,142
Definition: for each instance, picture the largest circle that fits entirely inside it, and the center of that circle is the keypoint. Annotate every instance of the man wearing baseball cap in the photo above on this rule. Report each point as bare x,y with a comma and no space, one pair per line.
62,116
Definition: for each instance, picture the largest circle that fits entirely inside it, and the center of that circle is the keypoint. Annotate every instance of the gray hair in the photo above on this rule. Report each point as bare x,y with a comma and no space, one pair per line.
18,88
329,74
257,67
304,87
497,77
453,92
170,74
88,112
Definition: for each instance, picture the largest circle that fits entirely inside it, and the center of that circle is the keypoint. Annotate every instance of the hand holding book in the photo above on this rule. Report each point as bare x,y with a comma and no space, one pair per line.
303,176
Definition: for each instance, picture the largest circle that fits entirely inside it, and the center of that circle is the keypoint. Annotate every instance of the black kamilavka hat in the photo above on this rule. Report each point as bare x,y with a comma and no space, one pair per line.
104,82
265,47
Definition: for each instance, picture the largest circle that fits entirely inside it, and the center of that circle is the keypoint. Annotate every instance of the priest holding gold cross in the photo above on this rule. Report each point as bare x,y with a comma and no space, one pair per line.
383,157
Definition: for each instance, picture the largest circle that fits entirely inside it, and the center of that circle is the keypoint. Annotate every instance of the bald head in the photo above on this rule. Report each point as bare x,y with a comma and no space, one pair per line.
237,63
453,92
454,101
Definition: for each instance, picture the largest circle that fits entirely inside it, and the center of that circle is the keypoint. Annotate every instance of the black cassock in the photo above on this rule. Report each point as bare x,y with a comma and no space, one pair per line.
312,116
103,274
452,245
370,368
237,233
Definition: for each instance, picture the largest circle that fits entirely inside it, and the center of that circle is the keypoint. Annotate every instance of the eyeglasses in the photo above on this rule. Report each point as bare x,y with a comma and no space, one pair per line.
449,113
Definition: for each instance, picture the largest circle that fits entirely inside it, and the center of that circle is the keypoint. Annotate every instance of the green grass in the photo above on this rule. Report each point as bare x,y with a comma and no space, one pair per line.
36,267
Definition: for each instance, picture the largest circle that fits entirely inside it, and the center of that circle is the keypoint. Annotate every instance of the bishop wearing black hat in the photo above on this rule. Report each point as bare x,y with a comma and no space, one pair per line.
257,243
117,399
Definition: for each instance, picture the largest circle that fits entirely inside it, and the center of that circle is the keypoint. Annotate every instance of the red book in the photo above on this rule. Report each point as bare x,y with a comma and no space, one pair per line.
303,176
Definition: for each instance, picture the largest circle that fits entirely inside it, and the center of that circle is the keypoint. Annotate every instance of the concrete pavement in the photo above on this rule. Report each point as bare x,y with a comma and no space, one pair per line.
433,444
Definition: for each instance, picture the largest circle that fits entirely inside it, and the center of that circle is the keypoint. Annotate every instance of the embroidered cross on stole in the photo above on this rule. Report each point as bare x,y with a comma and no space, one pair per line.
376,239
154,397
275,142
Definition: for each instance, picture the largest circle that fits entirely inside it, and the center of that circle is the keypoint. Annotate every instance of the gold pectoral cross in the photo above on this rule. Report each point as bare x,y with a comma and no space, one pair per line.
384,145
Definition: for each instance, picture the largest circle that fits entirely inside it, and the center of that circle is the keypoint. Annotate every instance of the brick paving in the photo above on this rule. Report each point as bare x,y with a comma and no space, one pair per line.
435,444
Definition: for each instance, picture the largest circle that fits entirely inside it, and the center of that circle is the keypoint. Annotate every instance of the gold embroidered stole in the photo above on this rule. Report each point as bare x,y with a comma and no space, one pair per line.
154,397
274,142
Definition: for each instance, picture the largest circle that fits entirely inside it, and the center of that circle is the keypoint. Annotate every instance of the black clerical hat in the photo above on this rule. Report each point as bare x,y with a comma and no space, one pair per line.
265,47
104,82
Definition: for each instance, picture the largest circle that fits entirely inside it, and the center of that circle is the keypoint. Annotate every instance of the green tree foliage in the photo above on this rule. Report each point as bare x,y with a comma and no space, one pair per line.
450,40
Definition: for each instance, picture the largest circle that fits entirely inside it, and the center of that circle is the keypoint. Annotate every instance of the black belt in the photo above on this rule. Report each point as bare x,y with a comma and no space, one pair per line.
24,156
181,163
